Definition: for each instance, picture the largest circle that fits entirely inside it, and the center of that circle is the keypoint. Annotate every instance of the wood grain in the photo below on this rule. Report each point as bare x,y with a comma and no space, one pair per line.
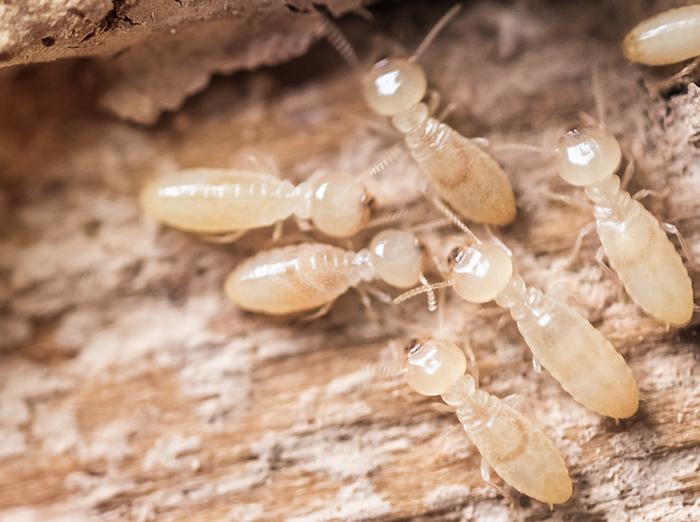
131,390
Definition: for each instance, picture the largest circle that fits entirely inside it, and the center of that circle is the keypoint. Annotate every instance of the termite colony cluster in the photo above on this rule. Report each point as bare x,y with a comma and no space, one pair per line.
464,182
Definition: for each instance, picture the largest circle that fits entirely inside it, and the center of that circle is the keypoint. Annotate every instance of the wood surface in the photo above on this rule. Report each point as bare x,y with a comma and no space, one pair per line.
131,390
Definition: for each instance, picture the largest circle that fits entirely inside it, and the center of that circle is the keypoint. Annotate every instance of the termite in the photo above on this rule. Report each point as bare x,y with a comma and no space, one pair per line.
574,352
634,242
224,203
461,171
508,441
306,276
632,239
666,38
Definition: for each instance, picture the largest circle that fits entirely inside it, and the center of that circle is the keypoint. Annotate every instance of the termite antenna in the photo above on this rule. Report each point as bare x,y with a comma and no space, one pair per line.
422,290
375,369
598,96
454,219
430,225
435,31
337,39
432,301
404,215
391,157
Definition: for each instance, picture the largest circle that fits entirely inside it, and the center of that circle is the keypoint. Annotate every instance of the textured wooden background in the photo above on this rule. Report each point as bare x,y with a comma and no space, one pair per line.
131,390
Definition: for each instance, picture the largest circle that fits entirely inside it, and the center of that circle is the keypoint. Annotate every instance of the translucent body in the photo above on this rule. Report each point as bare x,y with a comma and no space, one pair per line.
306,276
291,279
638,249
576,354
434,365
641,254
669,37
519,451
216,201
521,454
467,177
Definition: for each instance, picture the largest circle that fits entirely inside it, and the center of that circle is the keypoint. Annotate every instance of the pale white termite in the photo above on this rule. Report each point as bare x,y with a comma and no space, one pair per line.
462,172
226,201
633,240
514,446
668,37
574,352
306,276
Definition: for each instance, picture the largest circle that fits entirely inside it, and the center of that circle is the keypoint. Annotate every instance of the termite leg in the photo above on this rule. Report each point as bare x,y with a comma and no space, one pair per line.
495,148
565,199
672,80
519,403
318,313
222,239
277,231
485,469
256,161
627,175
303,224
482,142
441,407
433,101
659,194
502,320
445,113
367,303
685,247
472,366
378,294
600,259
586,230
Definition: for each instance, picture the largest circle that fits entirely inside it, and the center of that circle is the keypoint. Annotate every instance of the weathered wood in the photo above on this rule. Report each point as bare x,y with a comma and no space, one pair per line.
130,389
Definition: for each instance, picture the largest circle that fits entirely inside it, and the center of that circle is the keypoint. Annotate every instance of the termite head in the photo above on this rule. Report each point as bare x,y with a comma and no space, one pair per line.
397,257
393,85
433,365
588,155
479,271
340,205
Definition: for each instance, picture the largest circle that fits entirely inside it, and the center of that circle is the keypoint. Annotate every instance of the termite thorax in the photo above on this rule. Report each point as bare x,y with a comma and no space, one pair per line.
461,392
471,404
610,202
360,266
422,134
299,199
522,302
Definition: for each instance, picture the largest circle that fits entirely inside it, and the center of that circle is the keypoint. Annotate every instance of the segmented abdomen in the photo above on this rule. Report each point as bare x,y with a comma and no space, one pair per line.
669,37
647,263
290,279
217,200
520,452
467,177
578,356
